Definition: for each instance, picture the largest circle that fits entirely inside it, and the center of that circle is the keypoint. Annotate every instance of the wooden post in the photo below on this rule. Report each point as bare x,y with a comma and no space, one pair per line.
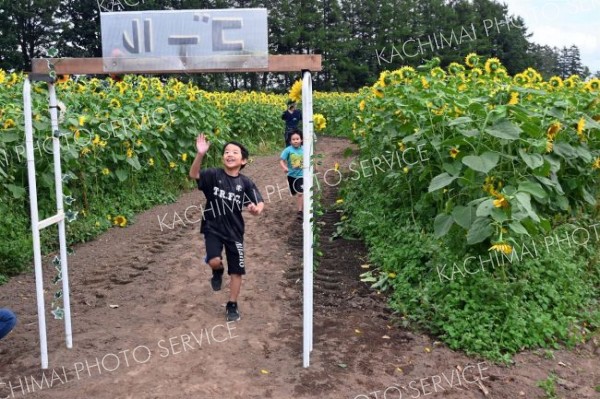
94,66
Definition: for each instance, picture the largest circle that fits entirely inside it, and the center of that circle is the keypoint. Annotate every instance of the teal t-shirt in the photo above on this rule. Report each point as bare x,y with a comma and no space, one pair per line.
293,157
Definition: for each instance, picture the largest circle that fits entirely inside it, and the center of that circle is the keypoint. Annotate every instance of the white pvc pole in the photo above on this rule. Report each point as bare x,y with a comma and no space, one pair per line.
307,128
60,211
37,256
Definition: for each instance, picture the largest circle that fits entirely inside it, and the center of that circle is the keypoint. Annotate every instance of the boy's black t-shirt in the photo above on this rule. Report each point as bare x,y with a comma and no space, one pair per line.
225,198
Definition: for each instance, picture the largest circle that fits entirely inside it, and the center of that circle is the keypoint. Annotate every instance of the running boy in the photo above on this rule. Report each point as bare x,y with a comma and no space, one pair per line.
227,192
291,163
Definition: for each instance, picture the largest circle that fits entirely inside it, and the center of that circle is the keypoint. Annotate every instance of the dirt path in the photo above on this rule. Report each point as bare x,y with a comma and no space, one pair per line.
168,337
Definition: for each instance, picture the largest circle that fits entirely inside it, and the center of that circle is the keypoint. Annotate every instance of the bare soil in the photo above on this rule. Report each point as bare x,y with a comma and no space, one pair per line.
146,323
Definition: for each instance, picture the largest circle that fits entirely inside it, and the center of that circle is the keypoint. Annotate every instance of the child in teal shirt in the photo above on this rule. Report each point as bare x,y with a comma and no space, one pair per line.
291,163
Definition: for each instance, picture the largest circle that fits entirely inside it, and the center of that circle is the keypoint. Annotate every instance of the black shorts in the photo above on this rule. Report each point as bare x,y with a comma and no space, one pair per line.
296,184
233,250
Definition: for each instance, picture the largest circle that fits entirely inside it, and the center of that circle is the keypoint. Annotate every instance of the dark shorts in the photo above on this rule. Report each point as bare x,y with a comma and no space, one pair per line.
296,184
233,250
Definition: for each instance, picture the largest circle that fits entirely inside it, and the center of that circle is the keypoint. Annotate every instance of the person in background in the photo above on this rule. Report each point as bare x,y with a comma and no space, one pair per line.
292,118
8,320
291,163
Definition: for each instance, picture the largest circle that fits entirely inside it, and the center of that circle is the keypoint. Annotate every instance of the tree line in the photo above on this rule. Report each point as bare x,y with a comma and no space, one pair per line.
357,39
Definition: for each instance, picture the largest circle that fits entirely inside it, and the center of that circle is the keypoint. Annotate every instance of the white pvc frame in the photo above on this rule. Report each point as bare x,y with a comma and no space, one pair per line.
37,225
59,218
307,173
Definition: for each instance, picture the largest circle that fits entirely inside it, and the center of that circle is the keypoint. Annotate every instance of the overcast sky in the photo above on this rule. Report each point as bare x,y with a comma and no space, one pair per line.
563,23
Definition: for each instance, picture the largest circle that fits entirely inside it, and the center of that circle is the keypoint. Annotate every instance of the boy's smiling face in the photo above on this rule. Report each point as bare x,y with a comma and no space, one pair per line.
295,140
232,158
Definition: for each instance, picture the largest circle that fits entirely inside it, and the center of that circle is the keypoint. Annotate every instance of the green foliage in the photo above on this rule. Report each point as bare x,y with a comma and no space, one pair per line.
507,153
16,244
125,147
549,386
348,34
456,182
499,309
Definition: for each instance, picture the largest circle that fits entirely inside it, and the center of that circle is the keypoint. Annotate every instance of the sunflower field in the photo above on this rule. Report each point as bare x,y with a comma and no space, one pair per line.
126,145
497,165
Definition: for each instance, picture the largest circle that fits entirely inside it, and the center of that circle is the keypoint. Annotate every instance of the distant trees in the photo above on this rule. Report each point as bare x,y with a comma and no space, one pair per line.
357,39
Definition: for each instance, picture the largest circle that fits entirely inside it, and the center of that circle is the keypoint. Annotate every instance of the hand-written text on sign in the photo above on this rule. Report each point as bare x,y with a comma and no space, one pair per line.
178,40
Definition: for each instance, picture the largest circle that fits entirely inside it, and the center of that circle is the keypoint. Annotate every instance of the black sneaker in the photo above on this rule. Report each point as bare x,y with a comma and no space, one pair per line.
233,314
217,279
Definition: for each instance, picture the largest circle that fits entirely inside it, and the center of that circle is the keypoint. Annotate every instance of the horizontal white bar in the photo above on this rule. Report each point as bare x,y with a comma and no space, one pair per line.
42,224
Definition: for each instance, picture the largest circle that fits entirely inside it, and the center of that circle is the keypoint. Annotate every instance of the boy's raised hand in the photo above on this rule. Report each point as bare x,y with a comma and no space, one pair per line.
202,145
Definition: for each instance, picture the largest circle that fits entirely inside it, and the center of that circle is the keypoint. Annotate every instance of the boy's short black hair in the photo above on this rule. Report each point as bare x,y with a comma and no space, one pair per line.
298,132
244,150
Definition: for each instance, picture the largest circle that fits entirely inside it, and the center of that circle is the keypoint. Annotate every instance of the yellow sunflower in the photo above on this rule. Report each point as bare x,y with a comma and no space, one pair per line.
596,164
61,79
375,89
81,120
492,65
501,74
472,60
580,128
501,247
404,73
593,85
500,202
454,152
320,122
114,103
105,171
533,75
572,81
361,105
438,73
475,73
184,157
455,68
553,130
382,78
556,82
521,79
514,98
120,221
296,91
151,162
9,123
